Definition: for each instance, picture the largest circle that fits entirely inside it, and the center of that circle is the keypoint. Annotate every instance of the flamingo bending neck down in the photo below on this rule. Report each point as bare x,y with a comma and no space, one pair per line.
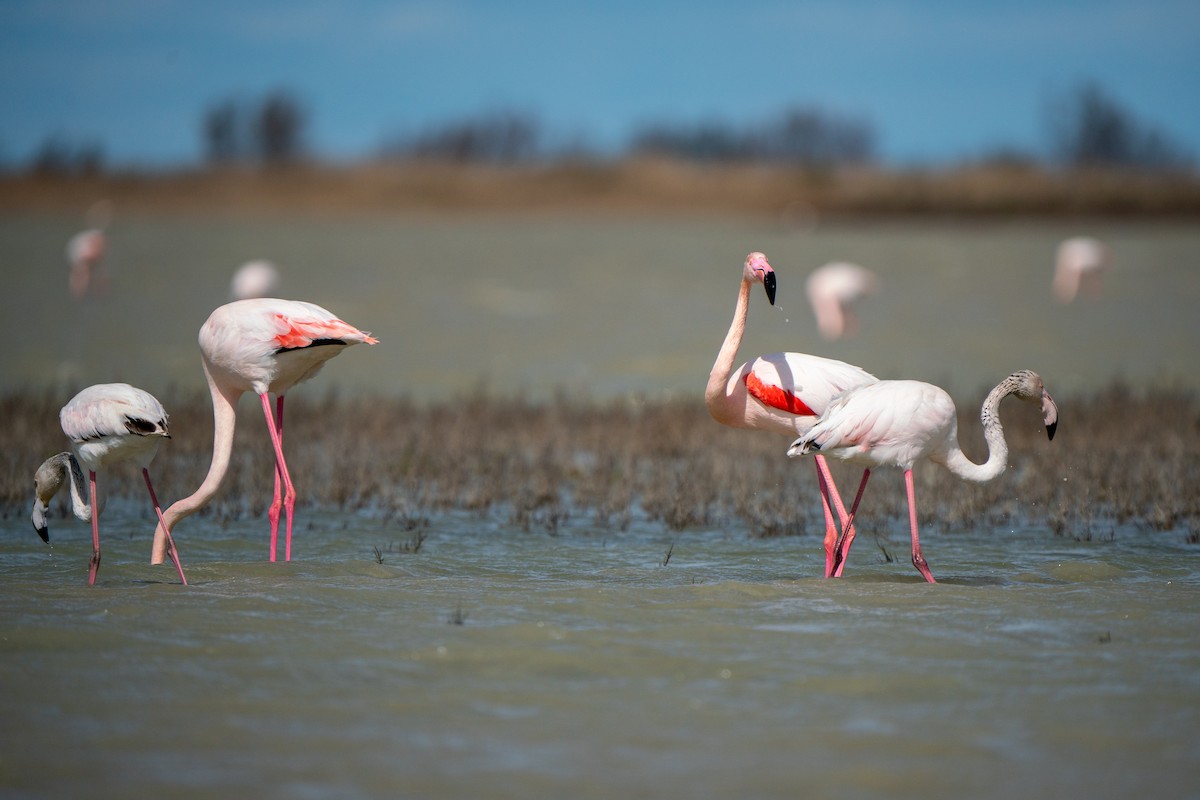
832,291
897,423
107,423
265,346
779,392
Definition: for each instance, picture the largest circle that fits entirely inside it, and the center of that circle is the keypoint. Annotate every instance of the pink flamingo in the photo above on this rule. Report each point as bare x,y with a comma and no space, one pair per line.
1079,264
832,291
254,279
265,346
779,392
85,254
897,423
107,423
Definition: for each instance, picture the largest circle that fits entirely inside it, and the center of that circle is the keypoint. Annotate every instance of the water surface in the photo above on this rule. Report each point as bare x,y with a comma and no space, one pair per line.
503,663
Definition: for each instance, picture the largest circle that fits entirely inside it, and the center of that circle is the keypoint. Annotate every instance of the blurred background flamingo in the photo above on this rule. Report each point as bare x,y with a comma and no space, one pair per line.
897,423
258,278
1079,266
833,289
86,251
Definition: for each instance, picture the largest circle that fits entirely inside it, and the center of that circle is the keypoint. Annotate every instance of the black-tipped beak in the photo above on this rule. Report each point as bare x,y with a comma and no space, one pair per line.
769,285
1049,414
39,521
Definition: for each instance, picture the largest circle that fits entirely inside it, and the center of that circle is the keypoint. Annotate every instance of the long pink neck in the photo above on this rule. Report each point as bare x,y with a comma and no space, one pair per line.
715,394
224,402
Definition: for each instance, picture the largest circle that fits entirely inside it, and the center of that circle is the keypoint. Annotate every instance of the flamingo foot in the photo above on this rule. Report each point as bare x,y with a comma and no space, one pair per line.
93,567
918,561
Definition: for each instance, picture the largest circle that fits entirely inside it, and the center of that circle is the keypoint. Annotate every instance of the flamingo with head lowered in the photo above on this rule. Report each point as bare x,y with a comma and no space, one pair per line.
106,423
897,423
780,392
833,289
265,346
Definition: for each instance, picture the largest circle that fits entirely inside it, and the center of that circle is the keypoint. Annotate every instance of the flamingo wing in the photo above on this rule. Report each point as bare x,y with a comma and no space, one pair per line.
800,384
886,423
112,410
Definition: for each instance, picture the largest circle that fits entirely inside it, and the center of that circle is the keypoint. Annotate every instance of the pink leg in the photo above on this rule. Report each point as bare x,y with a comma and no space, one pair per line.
94,566
289,491
848,533
277,499
918,560
826,479
830,526
171,551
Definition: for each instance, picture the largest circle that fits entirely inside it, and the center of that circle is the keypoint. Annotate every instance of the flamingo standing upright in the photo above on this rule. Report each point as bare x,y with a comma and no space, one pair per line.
85,255
1079,265
897,423
779,392
265,346
832,291
107,423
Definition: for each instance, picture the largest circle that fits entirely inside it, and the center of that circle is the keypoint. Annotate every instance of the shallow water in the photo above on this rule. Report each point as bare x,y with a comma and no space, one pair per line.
501,663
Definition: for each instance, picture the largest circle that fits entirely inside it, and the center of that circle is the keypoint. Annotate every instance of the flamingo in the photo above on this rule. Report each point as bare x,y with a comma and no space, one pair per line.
897,423
779,392
85,253
832,291
254,279
1080,263
266,346
86,250
107,423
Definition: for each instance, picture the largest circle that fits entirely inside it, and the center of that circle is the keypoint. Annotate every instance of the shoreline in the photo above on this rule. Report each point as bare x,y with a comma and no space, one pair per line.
796,195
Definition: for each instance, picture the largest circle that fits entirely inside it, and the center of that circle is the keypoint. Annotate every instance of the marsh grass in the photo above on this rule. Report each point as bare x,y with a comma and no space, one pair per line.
1120,457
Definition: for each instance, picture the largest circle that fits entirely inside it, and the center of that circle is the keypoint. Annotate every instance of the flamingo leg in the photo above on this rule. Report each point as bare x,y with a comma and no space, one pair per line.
830,526
848,533
826,480
94,565
918,560
289,491
274,511
171,551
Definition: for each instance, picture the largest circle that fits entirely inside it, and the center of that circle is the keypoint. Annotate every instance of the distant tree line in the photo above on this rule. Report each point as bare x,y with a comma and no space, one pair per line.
805,136
269,130
1086,127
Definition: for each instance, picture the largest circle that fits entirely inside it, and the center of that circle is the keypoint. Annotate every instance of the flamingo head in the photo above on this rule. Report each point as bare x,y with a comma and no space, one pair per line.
1031,388
757,270
48,479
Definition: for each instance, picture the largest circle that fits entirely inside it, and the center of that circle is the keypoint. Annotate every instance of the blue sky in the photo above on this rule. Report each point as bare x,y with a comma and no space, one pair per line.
936,80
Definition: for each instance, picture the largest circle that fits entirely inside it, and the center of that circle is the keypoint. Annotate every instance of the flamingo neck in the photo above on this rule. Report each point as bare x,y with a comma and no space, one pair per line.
993,433
224,400
717,392
67,466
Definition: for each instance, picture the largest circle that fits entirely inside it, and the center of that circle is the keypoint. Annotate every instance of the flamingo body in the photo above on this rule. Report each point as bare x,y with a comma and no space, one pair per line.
898,423
106,423
780,392
265,346
832,291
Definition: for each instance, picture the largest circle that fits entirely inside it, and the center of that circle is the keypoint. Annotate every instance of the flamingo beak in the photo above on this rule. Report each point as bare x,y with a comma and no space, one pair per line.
39,521
769,285
1049,413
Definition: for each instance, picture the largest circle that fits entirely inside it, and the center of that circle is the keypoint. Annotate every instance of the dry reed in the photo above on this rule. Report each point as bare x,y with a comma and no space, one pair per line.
1119,458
